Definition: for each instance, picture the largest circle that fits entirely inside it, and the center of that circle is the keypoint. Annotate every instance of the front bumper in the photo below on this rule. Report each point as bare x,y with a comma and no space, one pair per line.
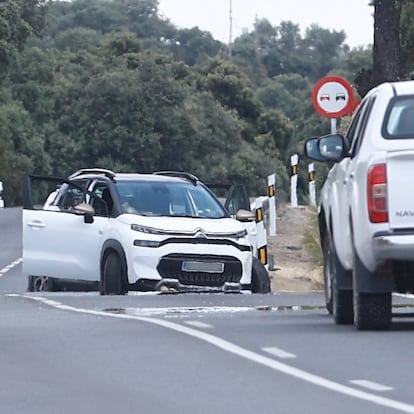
166,262
174,286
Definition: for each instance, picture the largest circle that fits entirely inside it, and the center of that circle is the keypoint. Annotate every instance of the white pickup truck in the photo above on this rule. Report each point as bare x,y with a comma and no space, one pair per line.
366,208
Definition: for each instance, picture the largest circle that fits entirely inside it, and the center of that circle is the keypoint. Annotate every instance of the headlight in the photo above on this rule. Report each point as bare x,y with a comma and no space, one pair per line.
146,243
146,229
238,235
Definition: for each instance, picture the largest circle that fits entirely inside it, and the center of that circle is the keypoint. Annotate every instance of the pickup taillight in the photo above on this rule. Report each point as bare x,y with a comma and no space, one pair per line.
377,194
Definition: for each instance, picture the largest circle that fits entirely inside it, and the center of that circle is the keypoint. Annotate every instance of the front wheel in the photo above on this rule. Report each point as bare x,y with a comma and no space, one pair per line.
113,281
40,284
260,277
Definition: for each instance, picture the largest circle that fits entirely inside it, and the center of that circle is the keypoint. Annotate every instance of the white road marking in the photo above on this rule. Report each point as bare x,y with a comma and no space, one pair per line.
199,324
243,353
280,353
373,386
10,266
180,311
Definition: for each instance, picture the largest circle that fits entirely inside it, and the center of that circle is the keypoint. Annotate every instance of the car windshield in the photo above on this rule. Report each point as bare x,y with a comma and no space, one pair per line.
177,199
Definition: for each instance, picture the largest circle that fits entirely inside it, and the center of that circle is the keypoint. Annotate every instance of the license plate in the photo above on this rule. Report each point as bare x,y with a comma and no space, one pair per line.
207,267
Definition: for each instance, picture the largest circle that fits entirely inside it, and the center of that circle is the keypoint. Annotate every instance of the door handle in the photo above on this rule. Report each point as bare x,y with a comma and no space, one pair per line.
351,176
36,224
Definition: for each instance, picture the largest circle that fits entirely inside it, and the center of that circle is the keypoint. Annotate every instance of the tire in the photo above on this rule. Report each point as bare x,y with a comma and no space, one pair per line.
260,277
40,284
342,306
327,274
373,311
113,276
339,302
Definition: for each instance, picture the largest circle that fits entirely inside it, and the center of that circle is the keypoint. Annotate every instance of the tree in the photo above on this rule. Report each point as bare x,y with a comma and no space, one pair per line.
231,88
407,38
386,53
194,46
21,150
386,49
19,19
281,131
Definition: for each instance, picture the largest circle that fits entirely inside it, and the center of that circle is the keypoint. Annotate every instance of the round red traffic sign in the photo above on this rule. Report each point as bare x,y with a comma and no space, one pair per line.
333,97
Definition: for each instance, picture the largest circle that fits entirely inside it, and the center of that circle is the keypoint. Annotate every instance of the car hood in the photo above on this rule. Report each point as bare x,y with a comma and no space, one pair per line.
187,225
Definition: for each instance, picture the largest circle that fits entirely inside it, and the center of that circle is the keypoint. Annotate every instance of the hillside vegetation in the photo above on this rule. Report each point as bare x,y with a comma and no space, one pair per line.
112,84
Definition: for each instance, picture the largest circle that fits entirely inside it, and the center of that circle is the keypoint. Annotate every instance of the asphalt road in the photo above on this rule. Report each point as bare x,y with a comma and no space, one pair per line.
193,353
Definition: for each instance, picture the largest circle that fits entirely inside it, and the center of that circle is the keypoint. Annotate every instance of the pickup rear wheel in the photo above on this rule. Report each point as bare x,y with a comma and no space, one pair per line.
373,311
338,301
260,277
113,276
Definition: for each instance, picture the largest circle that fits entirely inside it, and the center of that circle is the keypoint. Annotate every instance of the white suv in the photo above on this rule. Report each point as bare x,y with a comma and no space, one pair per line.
366,214
97,230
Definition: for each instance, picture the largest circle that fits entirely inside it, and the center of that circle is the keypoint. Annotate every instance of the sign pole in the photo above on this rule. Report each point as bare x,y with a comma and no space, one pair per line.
333,125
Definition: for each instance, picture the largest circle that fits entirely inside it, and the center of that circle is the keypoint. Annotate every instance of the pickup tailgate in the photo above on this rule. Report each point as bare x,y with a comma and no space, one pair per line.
400,179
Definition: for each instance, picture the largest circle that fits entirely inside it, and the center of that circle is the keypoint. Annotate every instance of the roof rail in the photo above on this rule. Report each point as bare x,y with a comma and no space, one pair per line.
107,173
179,174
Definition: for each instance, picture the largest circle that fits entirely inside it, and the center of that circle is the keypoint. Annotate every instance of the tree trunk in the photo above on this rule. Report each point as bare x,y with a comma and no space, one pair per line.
386,41
386,50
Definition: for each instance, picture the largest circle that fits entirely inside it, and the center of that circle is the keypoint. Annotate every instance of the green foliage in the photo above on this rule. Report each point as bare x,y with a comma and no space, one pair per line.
21,150
407,38
111,83
231,88
18,20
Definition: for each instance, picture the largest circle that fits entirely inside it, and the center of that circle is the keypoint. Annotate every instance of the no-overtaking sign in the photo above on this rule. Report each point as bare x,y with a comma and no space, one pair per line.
333,97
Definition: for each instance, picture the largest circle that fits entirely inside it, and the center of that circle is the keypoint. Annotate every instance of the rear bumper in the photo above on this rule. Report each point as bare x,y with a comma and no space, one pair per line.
393,247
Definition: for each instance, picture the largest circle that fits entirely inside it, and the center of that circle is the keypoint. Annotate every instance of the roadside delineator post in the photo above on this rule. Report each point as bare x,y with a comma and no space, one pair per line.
1,200
261,233
312,192
294,180
271,193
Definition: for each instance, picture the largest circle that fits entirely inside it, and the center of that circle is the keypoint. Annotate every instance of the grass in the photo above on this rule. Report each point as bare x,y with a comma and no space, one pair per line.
310,238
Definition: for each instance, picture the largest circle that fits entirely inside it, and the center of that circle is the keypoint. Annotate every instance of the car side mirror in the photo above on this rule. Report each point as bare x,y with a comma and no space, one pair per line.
245,216
312,149
333,147
86,210
327,148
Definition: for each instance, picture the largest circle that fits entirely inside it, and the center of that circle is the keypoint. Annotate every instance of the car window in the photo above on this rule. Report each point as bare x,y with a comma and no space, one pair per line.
101,200
70,196
153,198
358,125
238,200
399,119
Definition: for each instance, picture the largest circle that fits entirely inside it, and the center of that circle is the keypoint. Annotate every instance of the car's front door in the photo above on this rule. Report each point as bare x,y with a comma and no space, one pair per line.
58,241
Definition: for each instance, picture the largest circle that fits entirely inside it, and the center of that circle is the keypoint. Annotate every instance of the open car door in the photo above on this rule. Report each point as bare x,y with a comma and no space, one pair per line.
233,196
62,237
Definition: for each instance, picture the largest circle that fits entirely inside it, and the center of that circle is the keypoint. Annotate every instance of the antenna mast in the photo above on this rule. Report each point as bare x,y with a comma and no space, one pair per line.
230,27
